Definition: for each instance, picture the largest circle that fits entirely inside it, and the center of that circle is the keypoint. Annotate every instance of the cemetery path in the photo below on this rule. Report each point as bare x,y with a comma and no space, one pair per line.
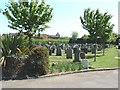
96,79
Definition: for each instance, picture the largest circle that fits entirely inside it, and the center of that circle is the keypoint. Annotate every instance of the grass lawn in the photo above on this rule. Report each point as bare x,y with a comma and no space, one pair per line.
108,61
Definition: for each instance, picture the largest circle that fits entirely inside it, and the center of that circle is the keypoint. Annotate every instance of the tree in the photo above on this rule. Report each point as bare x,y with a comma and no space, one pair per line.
74,37
106,30
97,24
85,38
28,17
0,46
113,38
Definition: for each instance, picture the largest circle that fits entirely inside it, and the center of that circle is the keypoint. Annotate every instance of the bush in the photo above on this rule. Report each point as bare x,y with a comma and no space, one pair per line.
39,58
14,67
23,66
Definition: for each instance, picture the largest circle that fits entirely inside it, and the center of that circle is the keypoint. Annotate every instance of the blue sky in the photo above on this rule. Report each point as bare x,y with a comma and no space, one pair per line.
66,15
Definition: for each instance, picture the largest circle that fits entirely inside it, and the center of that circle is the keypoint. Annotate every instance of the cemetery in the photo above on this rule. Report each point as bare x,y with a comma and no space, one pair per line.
23,56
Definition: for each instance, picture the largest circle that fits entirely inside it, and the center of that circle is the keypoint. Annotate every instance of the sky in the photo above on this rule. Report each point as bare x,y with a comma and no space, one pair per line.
66,15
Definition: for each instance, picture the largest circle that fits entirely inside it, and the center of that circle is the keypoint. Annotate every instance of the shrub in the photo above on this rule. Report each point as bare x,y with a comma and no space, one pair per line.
39,58
14,67
10,43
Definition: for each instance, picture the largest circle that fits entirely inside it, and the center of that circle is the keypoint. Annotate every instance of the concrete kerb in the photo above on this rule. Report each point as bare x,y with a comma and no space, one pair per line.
80,71
66,73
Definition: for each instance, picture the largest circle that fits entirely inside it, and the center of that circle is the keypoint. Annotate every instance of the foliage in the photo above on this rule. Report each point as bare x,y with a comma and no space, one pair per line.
74,35
55,41
0,46
64,38
28,17
39,59
10,44
85,38
113,38
98,25
15,67
65,66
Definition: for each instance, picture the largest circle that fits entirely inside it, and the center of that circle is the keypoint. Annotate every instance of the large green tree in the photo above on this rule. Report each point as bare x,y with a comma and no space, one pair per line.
97,24
28,17
74,35
113,38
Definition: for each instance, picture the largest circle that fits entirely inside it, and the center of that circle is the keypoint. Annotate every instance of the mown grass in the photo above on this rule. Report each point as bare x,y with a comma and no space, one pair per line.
110,60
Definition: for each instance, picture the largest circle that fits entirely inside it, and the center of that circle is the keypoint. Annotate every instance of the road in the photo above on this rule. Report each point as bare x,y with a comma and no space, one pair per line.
96,79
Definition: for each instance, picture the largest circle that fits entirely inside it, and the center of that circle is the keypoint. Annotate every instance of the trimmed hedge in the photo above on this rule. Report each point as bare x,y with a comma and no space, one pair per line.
56,41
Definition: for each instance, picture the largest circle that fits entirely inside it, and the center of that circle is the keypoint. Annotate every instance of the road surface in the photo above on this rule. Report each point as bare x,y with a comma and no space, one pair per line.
96,79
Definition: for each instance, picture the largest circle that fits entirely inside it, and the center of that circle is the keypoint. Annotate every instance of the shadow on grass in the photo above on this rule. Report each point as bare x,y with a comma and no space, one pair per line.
100,52
89,56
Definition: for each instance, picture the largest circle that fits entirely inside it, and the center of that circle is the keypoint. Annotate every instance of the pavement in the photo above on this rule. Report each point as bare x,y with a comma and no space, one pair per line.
96,79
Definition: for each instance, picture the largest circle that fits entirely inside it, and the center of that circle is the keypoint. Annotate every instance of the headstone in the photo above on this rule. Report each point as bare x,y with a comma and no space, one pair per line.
106,45
47,46
99,48
58,51
82,55
53,48
50,51
69,53
64,46
66,50
77,56
85,64
89,48
84,48
93,49
75,48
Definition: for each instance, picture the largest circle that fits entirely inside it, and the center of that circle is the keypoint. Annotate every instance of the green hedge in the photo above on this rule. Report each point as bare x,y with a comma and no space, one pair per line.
55,41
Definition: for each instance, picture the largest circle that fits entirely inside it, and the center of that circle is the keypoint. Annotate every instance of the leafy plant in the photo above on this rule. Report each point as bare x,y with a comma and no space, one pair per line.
66,66
10,44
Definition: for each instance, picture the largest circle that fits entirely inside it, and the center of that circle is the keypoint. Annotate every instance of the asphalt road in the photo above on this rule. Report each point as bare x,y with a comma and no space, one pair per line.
96,79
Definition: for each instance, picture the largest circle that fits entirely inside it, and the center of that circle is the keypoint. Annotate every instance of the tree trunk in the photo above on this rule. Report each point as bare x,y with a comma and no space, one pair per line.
103,49
95,53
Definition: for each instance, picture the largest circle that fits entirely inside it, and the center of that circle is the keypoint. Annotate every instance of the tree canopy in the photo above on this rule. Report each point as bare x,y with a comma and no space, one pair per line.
97,24
74,35
28,17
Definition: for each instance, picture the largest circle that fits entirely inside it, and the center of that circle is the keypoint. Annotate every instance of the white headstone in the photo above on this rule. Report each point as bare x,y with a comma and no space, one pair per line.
85,64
